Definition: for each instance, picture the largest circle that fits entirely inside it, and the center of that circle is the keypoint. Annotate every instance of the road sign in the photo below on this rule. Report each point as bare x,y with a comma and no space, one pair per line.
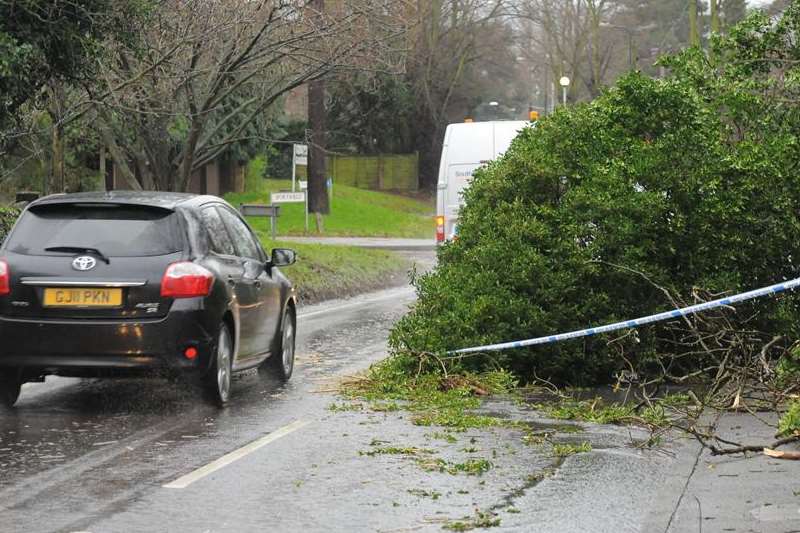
303,185
301,154
259,210
287,197
299,157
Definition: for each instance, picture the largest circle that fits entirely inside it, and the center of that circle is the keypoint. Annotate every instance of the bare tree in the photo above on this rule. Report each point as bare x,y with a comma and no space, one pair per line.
447,38
209,70
575,37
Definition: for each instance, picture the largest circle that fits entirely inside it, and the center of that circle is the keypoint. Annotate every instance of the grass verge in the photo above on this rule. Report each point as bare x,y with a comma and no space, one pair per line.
354,212
324,272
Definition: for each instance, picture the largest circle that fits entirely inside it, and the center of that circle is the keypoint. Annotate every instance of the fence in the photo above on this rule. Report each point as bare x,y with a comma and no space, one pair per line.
379,172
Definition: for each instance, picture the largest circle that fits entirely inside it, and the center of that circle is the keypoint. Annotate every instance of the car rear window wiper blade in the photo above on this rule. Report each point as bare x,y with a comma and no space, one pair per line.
79,250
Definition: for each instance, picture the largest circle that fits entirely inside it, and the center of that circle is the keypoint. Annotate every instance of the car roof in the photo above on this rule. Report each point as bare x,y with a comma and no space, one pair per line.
163,200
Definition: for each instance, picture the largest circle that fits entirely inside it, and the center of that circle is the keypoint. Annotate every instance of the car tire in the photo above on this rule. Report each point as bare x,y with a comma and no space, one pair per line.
218,380
10,387
281,363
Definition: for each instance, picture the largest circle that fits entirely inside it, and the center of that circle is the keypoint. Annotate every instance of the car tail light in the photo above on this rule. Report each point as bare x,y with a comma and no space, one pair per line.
186,280
440,229
5,279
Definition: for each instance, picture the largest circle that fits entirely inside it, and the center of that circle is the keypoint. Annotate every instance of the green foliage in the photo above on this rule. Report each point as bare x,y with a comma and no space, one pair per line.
42,41
422,493
470,467
481,520
8,215
565,450
394,450
434,400
790,421
690,181
589,411
371,113
788,368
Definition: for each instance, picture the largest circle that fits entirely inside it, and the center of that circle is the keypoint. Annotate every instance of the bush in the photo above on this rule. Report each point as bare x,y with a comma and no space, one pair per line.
8,215
653,179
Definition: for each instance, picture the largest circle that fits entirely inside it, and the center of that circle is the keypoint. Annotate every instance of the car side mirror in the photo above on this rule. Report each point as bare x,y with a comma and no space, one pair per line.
282,257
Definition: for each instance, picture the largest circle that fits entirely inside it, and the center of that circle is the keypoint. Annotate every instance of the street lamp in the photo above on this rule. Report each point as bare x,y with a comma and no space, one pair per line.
564,82
629,32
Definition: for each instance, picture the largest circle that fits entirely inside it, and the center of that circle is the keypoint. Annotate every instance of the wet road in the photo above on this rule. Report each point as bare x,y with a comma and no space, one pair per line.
76,452
138,455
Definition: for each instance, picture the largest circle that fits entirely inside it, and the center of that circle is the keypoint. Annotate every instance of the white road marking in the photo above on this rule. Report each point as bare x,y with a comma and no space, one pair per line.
225,460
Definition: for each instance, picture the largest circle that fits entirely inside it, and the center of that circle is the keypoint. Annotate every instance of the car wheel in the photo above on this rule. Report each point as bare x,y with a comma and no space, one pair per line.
218,380
281,362
10,387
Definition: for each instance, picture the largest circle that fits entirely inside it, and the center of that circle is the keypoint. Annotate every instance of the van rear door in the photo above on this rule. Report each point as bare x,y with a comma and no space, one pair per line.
469,146
504,133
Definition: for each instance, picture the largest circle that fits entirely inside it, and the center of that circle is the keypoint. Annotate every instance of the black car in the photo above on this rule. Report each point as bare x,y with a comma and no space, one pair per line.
122,283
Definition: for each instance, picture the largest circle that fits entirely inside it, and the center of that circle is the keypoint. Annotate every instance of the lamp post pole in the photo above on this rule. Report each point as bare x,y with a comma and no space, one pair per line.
630,33
564,82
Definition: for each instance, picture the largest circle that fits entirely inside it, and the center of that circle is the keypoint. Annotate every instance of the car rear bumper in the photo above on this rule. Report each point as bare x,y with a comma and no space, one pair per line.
84,347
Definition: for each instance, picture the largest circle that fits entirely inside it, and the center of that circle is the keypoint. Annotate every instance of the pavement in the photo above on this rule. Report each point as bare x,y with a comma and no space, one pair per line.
753,493
148,456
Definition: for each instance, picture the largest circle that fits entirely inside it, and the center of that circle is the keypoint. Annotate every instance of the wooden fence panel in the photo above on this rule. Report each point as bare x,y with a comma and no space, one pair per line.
379,172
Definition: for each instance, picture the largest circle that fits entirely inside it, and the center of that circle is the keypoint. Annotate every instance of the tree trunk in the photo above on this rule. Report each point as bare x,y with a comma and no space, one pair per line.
715,27
694,34
317,167
57,170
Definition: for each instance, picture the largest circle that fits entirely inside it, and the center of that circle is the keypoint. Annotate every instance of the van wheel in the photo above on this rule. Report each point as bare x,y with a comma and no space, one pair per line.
218,380
10,387
281,363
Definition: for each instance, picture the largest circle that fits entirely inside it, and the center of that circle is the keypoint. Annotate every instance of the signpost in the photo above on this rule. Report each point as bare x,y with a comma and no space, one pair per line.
288,198
299,157
261,210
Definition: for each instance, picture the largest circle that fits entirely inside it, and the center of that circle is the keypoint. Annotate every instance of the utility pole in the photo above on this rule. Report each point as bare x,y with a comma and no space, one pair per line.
694,34
317,165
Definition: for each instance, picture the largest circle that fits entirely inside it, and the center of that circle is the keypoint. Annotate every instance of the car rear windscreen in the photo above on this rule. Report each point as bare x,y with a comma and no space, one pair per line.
114,230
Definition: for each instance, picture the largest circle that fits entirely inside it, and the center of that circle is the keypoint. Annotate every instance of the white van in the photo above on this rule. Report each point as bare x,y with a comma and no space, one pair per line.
467,146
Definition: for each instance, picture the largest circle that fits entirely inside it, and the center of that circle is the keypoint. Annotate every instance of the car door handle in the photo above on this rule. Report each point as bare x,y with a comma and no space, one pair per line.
257,284
231,281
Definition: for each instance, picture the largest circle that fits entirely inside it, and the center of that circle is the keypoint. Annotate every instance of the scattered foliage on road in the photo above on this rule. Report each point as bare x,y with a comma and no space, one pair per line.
567,449
434,399
395,450
471,467
422,493
481,520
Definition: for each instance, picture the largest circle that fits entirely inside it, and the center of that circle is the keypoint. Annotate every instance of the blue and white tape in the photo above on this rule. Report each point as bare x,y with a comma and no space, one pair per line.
628,324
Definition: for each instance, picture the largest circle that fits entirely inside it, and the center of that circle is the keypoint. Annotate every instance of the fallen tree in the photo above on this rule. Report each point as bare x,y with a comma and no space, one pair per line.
656,194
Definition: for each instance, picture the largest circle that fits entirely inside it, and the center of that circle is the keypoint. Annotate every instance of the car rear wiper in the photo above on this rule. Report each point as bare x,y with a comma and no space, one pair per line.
79,250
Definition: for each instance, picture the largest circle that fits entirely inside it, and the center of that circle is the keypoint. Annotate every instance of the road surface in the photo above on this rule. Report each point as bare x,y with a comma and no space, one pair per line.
138,455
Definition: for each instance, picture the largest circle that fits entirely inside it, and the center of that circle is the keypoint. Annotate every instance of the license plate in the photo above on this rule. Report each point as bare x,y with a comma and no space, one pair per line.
82,297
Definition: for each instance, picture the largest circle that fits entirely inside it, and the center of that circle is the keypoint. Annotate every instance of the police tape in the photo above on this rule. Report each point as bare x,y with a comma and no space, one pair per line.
629,324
